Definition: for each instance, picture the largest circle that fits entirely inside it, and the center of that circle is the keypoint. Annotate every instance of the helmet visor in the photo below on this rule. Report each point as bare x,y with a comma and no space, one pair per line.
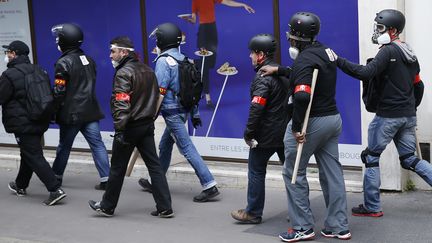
380,28
153,34
56,29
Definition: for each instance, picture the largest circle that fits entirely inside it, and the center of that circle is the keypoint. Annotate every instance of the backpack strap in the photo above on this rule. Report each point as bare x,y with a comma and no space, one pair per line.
167,55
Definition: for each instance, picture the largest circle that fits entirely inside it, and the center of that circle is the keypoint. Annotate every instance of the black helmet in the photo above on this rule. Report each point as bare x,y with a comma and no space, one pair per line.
391,18
168,35
69,36
263,42
304,26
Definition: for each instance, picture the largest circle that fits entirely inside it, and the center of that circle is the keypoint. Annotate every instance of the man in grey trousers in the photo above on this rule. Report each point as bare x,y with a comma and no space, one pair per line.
321,138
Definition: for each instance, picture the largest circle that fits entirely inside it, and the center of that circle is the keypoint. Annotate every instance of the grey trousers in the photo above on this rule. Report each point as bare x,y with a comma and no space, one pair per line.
322,136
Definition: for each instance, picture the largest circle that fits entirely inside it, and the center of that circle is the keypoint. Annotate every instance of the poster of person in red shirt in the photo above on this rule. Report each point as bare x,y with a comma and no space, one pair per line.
204,10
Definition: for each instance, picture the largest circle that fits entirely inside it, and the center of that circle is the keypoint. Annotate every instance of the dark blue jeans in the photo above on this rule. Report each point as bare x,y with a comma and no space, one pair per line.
257,168
381,131
91,132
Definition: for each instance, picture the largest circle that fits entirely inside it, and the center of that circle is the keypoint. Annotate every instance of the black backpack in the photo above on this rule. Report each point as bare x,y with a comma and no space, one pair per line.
371,92
190,83
39,97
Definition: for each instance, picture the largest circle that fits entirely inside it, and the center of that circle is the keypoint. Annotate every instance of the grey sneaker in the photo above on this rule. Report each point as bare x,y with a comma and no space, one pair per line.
343,235
18,191
55,197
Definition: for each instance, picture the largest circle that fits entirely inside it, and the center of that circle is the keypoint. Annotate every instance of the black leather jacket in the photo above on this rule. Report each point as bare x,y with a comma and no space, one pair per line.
13,99
75,89
134,95
268,112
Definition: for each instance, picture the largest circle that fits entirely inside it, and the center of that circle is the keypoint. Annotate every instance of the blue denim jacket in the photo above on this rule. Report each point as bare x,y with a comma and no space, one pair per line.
168,79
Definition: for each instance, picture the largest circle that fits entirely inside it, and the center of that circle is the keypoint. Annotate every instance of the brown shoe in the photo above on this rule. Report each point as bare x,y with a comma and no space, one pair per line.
245,218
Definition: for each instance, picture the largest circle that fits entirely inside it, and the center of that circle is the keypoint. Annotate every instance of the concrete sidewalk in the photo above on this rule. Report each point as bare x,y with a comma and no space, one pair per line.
227,174
25,219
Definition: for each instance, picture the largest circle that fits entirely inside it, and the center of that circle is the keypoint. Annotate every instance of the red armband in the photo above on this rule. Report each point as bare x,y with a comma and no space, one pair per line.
122,97
162,91
60,82
417,79
259,100
302,88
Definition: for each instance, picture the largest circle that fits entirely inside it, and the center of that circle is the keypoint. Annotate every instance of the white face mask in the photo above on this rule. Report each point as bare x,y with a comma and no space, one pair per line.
384,39
58,48
114,63
293,52
6,59
158,51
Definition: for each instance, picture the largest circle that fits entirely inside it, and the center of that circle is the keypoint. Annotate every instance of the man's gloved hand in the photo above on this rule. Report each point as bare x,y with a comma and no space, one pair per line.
119,138
196,122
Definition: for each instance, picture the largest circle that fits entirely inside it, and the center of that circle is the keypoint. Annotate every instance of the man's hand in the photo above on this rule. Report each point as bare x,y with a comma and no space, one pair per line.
300,137
248,8
196,122
252,143
268,70
119,138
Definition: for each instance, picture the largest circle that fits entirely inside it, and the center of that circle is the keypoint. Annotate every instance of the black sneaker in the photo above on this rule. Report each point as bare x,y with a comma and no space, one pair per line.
55,197
145,184
102,211
207,194
101,186
18,191
343,235
362,211
163,214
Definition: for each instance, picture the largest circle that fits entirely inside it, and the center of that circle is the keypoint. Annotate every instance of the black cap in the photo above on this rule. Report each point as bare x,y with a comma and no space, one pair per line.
19,47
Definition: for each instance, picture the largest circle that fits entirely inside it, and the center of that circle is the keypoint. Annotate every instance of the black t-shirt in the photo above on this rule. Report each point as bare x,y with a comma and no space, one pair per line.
315,56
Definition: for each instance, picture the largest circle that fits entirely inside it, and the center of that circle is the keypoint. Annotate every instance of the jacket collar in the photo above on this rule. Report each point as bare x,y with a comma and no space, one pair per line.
126,59
267,61
72,51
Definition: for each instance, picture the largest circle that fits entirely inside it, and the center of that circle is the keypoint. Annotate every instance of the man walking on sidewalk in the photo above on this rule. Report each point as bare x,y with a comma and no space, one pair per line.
16,119
78,108
133,105
322,134
268,118
168,38
395,72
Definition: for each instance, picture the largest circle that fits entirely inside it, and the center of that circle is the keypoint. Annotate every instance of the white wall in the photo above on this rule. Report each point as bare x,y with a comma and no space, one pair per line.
418,35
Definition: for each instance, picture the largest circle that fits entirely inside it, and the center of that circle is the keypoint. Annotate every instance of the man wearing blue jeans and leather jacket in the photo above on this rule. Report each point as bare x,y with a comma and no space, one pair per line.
396,71
268,118
76,101
168,38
